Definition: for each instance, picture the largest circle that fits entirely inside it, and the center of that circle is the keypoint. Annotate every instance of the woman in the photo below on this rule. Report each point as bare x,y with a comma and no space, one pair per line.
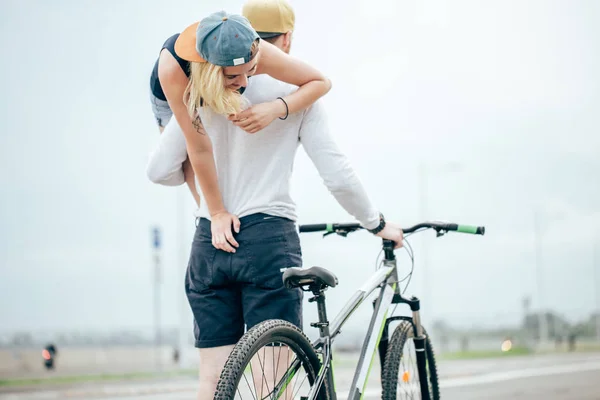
217,83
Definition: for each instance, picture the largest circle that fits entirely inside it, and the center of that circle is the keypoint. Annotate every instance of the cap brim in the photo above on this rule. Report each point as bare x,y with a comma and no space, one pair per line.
185,45
268,35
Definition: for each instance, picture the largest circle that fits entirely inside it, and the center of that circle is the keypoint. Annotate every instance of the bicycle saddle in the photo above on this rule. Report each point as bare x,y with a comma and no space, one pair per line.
296,277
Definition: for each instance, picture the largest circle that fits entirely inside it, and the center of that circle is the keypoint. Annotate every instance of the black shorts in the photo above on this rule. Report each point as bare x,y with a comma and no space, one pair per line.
230,291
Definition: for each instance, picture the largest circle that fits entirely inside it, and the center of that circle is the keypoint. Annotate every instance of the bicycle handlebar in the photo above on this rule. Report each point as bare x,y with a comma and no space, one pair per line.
438,226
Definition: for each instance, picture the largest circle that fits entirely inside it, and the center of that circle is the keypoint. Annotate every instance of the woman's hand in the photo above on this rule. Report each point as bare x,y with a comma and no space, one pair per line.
220,226
259,116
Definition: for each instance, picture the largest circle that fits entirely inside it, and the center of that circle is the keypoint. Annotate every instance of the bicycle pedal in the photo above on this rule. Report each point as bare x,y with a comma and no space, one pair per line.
319,324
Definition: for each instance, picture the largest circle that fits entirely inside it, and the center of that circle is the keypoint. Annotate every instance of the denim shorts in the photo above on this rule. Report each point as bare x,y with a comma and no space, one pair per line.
230,292
161,110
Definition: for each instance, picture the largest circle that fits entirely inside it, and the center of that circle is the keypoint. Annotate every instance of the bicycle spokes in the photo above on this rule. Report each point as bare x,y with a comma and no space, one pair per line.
274,372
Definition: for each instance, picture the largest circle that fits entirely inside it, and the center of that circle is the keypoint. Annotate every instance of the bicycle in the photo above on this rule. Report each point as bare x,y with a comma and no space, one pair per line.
315,359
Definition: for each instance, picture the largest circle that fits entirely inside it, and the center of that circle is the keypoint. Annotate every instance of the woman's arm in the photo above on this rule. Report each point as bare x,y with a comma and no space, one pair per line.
311,83
188,172
199,149
190,179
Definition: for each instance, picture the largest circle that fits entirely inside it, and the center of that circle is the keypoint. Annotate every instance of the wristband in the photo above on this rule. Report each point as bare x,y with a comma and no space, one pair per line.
380,227
287,110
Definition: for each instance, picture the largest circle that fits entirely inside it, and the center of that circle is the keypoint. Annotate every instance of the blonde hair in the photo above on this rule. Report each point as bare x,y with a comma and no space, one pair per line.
207,88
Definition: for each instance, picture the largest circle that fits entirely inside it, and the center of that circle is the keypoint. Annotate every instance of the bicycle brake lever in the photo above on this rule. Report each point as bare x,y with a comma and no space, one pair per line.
341,232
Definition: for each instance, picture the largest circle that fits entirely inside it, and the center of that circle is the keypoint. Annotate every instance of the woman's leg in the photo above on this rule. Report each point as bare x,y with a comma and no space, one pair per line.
163,116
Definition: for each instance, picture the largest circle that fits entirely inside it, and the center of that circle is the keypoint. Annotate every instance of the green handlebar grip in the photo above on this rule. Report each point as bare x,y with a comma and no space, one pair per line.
475,230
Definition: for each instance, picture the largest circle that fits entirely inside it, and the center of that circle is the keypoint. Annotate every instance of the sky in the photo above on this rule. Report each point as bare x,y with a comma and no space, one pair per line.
491,106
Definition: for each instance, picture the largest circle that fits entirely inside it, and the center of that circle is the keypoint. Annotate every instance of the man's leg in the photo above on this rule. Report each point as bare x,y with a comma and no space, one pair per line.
274,247
212,361
216,304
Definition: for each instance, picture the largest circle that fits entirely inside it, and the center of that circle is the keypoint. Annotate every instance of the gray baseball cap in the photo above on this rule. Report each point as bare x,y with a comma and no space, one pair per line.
221,39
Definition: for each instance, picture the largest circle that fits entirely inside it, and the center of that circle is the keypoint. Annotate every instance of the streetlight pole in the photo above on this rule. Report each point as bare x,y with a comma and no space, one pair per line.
423,210
596,267
156,244
542,320
181,259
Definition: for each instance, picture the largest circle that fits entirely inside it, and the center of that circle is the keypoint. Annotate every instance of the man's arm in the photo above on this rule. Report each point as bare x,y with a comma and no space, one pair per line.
334,167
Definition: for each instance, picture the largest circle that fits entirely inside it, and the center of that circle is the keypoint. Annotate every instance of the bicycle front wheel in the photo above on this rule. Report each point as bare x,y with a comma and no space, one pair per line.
272,360
400,377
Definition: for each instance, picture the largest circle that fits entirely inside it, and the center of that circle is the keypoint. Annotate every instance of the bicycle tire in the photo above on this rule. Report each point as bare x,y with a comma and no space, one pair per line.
266,332
395,351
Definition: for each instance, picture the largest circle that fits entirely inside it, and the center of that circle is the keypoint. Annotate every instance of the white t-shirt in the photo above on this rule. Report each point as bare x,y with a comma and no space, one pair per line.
254,170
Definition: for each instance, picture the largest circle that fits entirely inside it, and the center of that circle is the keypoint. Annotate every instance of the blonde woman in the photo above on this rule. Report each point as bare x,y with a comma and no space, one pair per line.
217,84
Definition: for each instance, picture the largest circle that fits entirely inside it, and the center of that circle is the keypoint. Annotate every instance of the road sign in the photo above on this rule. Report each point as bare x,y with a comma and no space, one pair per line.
156,237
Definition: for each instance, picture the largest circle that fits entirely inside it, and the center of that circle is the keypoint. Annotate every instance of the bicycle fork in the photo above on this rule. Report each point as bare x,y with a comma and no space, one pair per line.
419,337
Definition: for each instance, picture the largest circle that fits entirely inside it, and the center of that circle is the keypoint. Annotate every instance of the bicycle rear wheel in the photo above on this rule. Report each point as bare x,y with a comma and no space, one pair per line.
272,360
400,377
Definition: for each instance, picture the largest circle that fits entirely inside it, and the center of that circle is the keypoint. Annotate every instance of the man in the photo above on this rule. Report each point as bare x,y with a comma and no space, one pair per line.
230,291
274,21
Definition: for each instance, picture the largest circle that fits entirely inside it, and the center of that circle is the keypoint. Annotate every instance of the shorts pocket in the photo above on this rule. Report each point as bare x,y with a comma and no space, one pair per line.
270,258
200,268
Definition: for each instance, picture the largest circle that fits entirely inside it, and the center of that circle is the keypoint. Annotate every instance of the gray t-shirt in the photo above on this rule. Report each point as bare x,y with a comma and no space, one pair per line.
254,170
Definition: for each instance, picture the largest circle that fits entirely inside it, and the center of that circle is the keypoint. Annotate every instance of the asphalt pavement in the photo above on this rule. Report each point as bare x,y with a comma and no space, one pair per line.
558,376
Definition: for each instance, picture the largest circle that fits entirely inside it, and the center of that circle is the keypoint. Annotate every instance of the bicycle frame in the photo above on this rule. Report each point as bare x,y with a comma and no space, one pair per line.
386,279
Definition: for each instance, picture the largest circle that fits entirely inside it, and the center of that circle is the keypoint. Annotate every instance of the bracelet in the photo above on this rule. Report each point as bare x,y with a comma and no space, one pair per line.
287,110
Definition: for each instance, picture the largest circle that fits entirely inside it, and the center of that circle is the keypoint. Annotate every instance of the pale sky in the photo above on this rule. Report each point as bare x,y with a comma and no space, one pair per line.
507,93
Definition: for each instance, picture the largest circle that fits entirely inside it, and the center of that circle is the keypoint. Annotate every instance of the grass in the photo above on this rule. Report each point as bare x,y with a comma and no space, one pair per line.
91,378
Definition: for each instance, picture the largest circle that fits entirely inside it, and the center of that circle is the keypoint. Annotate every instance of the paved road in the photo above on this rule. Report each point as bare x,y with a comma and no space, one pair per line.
569,386
566,376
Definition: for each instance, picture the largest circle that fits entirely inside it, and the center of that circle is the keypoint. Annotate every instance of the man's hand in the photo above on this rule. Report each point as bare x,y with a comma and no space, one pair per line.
220,226
392,232
257,117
